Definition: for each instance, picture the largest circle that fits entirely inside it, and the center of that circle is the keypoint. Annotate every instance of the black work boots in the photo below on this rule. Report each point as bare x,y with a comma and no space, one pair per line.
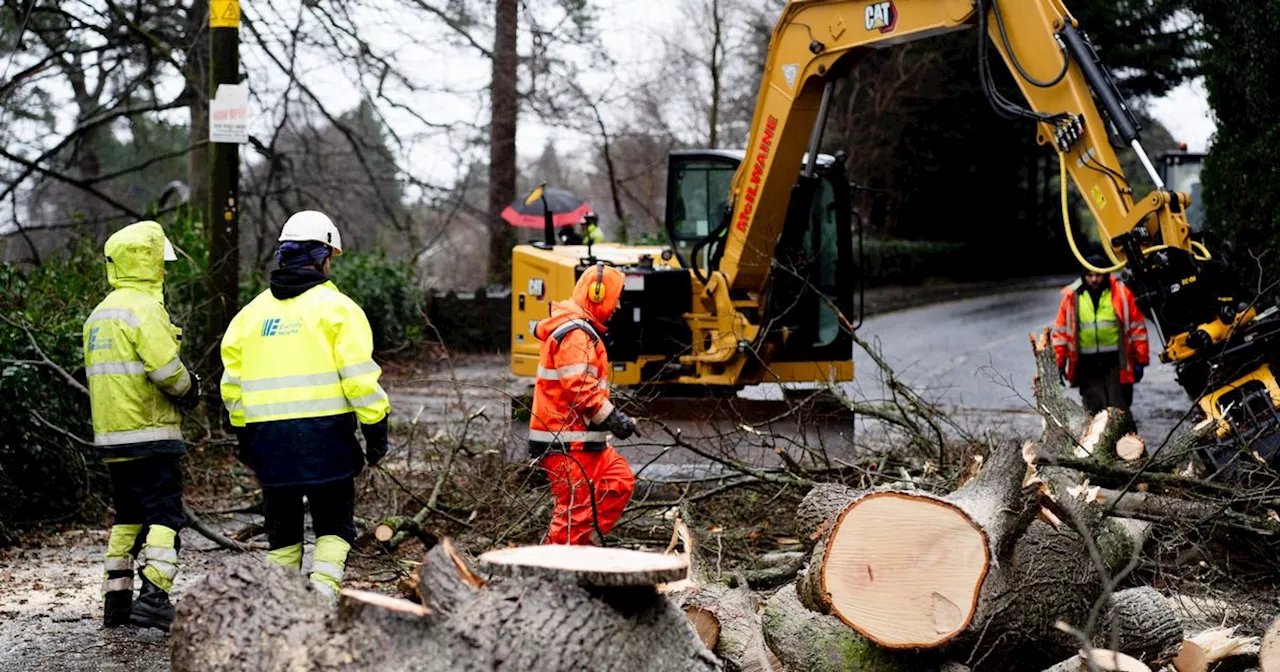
116,606
152,608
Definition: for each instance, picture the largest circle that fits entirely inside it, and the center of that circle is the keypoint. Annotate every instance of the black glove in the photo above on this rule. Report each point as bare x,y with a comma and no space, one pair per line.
1062,376
191,399
1137,372
620,425
375,441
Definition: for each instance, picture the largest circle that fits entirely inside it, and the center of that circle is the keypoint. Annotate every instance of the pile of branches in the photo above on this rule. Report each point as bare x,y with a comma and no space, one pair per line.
1028,559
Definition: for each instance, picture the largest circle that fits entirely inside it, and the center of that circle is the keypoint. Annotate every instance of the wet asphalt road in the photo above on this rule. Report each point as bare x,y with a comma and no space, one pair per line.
974,359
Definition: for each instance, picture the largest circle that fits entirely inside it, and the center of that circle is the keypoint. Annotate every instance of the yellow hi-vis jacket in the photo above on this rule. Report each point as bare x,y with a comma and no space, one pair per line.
131,352
298,372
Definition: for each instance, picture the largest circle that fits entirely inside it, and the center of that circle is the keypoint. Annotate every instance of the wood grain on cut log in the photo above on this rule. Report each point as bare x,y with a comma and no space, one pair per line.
1269,652
1131,448
904,569
251,615
588,565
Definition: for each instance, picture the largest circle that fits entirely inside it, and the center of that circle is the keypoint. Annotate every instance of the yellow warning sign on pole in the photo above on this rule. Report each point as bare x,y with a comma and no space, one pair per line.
224,13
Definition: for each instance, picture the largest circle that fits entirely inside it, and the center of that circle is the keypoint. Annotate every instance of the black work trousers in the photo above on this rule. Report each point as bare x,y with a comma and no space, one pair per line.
1098,377
332,511
148,491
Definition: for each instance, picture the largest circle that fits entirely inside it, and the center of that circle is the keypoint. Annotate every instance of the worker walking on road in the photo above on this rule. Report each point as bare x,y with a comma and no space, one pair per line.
299,377
573,416
137,386
1100,340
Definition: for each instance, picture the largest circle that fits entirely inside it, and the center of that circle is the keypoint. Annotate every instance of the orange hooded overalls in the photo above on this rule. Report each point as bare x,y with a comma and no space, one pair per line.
570,405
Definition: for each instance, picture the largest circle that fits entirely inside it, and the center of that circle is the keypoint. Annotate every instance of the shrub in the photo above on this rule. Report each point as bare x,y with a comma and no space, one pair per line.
388,292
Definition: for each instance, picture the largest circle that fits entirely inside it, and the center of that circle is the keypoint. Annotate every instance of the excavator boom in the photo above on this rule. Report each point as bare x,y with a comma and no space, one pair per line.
768,274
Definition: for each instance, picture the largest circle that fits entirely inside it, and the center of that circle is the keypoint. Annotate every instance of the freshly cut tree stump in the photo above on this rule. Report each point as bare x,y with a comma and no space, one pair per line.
905,569
252,615
588,565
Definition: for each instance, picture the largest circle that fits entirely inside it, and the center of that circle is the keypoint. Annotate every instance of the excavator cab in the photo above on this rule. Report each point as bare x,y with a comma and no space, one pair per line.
1180,170
813,283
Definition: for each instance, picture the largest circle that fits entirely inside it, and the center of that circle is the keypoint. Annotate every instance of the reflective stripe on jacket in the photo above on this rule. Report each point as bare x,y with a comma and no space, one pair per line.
571,392
298,374
131,352
1133,348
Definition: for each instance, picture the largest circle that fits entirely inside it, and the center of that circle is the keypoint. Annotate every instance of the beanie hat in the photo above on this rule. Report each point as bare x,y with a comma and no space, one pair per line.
294,253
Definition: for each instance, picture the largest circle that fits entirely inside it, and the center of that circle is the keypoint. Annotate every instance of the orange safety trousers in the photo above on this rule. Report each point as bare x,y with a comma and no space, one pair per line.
573,476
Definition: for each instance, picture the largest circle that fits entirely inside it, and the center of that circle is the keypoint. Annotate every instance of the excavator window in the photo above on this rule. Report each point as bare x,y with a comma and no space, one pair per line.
699,188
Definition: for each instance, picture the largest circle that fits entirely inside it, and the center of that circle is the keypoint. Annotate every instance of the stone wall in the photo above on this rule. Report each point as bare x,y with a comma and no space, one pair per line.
478,321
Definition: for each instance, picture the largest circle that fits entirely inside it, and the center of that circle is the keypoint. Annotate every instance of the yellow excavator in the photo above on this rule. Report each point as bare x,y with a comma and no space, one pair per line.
757,280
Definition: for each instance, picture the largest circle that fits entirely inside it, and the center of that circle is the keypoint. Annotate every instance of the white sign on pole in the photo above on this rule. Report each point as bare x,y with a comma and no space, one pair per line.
228,120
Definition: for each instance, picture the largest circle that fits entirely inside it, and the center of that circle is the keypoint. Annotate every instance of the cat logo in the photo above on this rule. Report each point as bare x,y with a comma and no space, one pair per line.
882,16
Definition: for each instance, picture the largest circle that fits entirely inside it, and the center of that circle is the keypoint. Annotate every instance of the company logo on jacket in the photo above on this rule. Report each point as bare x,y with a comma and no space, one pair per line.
96,343
273,327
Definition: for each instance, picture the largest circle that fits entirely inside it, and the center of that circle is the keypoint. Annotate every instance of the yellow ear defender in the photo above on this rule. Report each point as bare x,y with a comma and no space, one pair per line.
595,293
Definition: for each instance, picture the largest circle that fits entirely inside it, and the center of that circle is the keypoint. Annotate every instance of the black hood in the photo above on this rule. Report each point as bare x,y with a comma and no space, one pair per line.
287,283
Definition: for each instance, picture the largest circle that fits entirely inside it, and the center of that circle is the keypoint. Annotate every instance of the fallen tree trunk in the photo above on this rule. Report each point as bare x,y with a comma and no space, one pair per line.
987,570
250,615
1102,660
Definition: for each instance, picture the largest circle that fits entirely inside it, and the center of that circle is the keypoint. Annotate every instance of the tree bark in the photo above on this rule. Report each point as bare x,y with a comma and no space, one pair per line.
1141,623
446,580
502,139
728,622
251,615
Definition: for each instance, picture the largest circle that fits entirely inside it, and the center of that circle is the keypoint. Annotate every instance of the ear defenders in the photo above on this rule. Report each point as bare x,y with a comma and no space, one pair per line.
595,293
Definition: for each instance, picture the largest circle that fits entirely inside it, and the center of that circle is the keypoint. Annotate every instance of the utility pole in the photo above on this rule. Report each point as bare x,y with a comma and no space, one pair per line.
227,131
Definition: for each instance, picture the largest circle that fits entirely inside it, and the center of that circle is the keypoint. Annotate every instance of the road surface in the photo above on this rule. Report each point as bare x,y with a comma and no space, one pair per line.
974,358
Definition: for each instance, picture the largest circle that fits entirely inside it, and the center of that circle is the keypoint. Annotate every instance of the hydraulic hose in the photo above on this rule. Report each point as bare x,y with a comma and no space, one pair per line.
1066,224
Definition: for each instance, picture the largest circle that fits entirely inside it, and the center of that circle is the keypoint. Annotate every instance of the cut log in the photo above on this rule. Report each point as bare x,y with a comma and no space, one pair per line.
1100,438
1103,660
728,622
904,569
1140,622
1131,448
588,565
1269,652
251,615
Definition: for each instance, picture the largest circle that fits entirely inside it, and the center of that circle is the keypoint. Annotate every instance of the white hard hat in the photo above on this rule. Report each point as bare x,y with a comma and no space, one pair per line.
312,225
169,254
